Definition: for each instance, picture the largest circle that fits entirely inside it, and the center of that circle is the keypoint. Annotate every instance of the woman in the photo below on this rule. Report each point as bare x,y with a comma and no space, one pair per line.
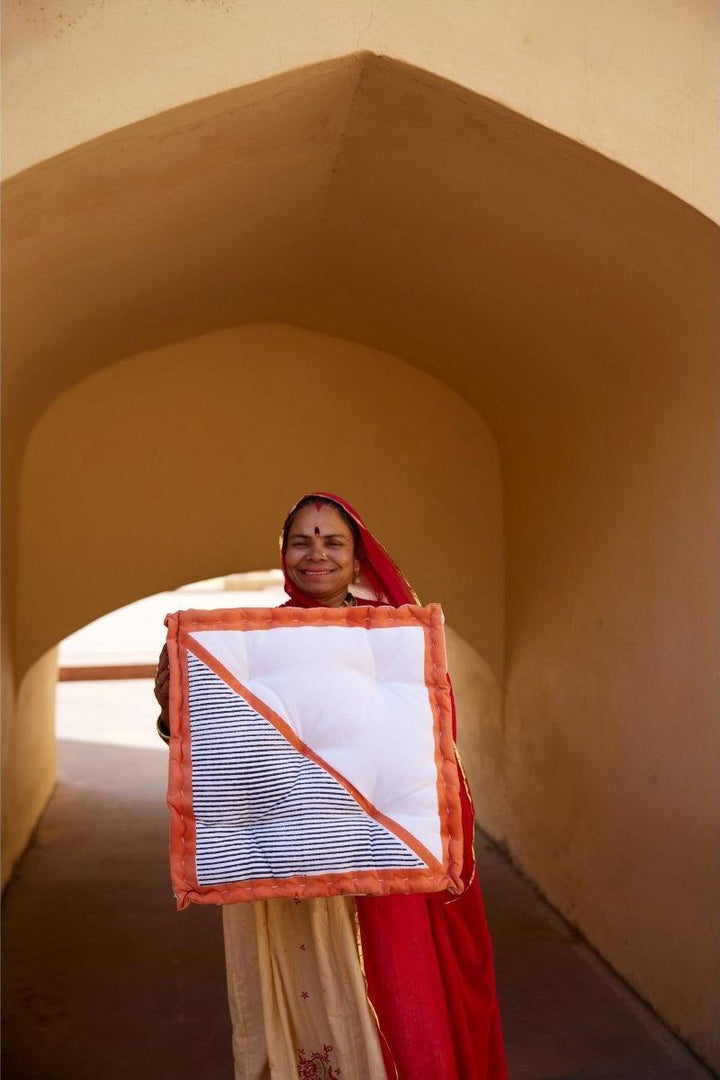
359,988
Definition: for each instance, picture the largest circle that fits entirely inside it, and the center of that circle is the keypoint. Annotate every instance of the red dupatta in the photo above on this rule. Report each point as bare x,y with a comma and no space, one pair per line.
427,958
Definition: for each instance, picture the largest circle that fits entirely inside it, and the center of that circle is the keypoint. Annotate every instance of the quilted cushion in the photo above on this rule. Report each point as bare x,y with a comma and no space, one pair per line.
311,754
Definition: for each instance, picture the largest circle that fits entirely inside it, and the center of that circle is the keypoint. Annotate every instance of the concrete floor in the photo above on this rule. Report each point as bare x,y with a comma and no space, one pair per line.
104,980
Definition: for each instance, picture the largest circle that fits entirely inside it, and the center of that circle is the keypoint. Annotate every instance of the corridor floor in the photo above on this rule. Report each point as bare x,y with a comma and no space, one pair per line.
104,980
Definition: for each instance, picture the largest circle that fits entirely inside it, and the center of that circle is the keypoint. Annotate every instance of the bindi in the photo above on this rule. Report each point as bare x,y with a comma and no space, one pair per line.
317,531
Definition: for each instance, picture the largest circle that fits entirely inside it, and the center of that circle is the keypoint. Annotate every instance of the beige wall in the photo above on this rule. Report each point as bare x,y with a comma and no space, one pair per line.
28,758
611,736
481,739
636,81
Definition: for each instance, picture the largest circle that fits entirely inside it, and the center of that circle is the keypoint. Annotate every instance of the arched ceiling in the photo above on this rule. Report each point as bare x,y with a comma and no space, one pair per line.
367,199
634,81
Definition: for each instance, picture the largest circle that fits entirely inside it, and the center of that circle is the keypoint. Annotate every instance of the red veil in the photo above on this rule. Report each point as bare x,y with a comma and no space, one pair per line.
427,957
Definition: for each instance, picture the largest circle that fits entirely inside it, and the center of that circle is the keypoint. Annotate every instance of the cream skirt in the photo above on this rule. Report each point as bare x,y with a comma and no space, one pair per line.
297,994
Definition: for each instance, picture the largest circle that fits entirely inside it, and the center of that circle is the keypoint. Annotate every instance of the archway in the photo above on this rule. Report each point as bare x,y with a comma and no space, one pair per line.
570,304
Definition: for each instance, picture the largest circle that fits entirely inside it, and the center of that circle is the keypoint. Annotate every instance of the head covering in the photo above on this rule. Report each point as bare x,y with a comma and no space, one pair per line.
379,579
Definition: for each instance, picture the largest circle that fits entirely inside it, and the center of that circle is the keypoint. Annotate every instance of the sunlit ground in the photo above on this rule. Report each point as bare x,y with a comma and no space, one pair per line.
122,712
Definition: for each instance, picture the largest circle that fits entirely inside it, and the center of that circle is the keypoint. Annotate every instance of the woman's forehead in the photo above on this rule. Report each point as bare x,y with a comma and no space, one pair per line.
319,520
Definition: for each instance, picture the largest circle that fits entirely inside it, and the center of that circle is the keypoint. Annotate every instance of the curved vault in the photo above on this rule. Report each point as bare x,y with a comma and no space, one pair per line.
360,197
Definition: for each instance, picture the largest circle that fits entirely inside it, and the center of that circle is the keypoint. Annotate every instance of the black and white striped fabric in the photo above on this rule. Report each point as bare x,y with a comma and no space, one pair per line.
262,809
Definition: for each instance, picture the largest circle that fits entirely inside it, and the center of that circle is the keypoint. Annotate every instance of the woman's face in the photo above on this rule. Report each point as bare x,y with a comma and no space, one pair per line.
320,554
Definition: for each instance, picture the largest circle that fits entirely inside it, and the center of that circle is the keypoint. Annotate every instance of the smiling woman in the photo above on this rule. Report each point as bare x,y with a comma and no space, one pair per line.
320,548
367,987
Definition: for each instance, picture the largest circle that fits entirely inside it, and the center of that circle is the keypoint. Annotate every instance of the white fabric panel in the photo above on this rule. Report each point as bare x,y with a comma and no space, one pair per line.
347,691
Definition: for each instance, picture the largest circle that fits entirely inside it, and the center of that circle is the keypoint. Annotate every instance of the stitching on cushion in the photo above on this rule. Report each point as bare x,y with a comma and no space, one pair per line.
431,619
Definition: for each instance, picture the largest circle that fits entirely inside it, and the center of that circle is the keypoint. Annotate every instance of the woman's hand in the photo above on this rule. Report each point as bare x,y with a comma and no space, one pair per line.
162,693
162,678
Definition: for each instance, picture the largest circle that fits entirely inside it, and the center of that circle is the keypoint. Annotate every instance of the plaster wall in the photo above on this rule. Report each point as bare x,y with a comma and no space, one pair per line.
28,758
479,703
611,740
599,771
636,81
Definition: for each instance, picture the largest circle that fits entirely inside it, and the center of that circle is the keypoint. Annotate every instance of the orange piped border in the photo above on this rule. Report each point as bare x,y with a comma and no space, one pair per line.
435,877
